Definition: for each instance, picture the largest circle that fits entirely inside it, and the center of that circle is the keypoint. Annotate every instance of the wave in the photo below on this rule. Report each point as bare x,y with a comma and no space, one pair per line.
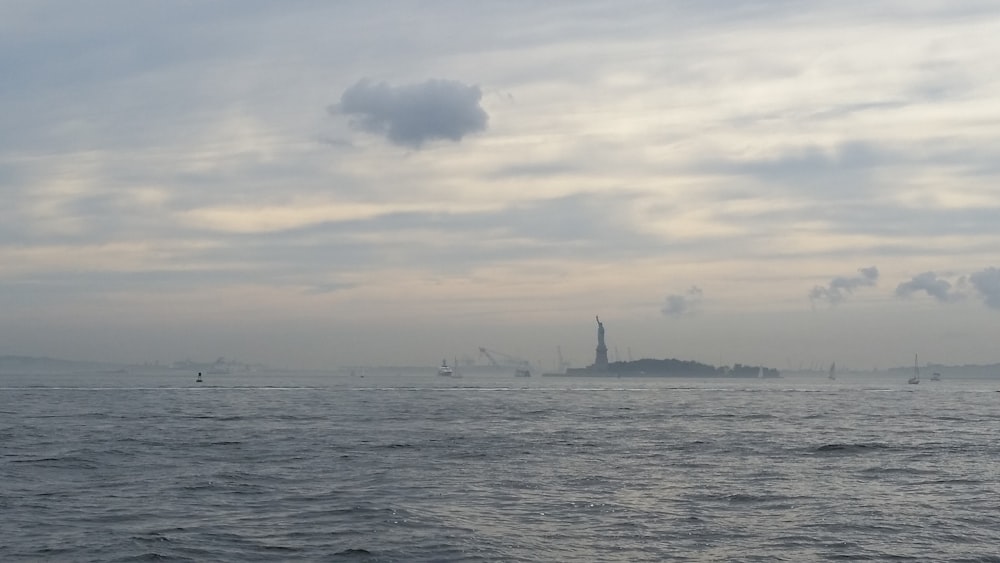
861,447
67,462
353,554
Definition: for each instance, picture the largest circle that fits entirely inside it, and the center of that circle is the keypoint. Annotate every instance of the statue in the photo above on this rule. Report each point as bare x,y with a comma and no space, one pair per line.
601,358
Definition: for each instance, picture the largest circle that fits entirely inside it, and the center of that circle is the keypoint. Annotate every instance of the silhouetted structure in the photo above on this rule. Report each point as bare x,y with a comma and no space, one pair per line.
601,359
659,368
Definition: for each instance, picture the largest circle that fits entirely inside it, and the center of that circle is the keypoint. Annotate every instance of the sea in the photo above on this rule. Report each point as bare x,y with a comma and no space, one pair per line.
404,465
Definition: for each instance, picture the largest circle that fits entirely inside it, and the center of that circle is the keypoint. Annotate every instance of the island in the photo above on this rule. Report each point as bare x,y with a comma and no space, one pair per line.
658,367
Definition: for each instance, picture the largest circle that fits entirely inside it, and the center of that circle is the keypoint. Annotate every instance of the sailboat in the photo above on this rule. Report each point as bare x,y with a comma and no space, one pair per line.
760,372
833,371
916,372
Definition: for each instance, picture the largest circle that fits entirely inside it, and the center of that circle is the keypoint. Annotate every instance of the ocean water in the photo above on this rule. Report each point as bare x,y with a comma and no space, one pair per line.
415,467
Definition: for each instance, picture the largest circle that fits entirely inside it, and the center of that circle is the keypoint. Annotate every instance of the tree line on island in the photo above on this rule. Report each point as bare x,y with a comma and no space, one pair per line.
689,367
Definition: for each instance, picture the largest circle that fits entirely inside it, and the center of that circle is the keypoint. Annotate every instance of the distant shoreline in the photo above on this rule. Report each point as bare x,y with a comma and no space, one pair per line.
660,374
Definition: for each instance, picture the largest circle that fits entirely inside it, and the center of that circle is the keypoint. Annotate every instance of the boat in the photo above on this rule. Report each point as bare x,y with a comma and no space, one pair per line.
445,369
760,372
522,372
936,376
916,372
833,371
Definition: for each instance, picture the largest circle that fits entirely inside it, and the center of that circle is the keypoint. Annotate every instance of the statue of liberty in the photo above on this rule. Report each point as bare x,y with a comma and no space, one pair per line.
601,360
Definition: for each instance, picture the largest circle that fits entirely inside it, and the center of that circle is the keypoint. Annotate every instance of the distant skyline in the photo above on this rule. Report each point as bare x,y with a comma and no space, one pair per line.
315,184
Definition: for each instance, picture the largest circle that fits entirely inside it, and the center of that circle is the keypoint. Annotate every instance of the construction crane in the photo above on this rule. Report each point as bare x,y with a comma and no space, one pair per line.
563,364
506,360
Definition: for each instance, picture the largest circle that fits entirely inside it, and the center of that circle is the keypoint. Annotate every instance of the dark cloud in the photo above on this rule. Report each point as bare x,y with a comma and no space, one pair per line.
840,287
677,305
987,283
413,114
929,282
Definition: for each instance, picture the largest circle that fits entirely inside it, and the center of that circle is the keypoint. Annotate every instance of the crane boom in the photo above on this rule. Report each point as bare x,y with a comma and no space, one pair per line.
491,359
505,359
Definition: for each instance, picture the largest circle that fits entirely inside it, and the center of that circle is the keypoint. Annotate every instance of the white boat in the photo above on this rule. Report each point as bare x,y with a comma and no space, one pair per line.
833,371
760,372
916,372
445,369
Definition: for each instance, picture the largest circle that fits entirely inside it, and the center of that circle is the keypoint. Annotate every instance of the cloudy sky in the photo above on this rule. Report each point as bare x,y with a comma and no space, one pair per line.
312,184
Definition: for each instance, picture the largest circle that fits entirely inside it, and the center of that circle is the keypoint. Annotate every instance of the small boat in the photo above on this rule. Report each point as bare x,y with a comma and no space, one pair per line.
199,378
522,372
833,371
760,372
445,369
916,372
936,376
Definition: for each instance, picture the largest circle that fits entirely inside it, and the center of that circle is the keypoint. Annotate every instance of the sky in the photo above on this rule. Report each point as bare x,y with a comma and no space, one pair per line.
311,184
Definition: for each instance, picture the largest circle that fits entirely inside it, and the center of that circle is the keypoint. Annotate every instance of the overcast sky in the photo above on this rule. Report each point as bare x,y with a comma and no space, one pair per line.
313,184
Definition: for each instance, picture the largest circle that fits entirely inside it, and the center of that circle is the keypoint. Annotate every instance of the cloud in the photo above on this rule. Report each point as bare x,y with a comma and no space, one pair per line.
413,114
929,282
329,287
840,287
686,303
987,283
844,169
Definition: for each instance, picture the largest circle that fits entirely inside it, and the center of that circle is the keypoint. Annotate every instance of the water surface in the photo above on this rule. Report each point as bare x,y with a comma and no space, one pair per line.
403,466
